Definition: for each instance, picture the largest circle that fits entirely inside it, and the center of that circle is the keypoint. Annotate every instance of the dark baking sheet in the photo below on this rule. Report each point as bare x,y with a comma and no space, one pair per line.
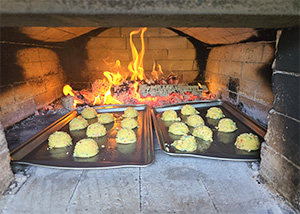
35,151
222,146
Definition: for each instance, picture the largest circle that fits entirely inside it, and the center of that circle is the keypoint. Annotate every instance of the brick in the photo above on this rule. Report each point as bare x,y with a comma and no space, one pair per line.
167,32
45,98
286,94
213,66
32,70
220,80
239,37
182,54
287,55
51,68
254,109
7,95
280,174
106,43
155,54
268,53
47,55
137,43
6,174
190,44
283,136
176,65
28,55
232,69
264,93
250,71
215,54
112,32
150,32
195,65
189,76
167,43
248,52
77,30
27,90
16,112
109,55
53,81
100,65
248,88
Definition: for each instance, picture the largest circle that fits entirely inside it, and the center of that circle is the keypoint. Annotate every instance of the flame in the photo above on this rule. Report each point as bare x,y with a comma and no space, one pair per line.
67,90
155,73
136,65
200,86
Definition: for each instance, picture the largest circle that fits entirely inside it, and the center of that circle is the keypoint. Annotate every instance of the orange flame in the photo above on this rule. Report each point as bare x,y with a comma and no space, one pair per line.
200,86
136,65
155,73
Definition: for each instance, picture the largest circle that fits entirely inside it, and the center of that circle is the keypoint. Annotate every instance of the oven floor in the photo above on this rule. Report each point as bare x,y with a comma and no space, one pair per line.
169,185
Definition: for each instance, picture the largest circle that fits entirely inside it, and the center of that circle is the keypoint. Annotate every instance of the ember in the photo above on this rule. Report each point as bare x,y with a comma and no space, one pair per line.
119,87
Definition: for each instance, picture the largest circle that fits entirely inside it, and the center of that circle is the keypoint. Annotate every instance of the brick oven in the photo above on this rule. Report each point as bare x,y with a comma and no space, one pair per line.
246,54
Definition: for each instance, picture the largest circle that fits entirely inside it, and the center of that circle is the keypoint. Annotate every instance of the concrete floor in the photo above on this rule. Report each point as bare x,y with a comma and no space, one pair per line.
170,185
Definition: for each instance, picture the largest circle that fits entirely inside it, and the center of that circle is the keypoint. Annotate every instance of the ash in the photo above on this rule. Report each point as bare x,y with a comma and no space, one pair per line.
24,130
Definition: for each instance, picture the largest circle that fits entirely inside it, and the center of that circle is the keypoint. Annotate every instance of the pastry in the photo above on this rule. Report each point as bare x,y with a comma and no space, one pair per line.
86,148
226,125
214,113
188,110
195,120
247,141
130,112
170,115
185,143
59,139
78,123
95,130
126,136
129,123
105,118
88,113
178,128
203,132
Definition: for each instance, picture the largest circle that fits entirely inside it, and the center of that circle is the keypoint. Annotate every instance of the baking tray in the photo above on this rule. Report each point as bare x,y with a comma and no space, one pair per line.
222,146
35,151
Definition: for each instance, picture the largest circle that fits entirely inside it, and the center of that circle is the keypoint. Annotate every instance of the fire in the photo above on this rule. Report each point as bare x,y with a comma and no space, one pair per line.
155,73
200,86
67,90
117,77
136,65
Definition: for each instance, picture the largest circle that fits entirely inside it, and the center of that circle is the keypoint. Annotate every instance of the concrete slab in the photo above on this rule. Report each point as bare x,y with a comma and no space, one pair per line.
169,185
107,191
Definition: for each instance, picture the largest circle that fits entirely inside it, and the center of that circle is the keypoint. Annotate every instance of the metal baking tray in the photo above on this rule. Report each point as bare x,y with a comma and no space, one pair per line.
114,155
222,146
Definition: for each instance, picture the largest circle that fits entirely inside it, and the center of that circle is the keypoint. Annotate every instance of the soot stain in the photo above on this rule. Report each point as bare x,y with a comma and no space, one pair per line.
233,84
202,52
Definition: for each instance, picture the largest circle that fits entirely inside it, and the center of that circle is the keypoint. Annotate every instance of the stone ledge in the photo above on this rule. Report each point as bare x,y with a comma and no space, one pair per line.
280,174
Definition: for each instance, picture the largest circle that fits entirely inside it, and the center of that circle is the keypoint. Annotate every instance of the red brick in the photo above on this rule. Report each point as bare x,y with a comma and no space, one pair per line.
137,43
155,54
167,43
